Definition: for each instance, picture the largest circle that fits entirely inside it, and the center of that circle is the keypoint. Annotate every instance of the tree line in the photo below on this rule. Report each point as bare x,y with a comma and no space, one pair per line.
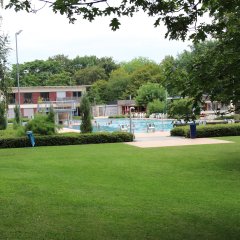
209,68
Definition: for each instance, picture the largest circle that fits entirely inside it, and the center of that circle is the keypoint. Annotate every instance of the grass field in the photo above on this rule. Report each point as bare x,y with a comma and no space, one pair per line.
115,191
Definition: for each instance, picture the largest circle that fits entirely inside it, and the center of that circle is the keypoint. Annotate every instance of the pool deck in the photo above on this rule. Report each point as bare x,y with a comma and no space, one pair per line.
163,139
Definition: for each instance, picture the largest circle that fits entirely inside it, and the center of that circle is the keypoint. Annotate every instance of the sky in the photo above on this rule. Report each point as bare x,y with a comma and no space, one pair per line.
46,34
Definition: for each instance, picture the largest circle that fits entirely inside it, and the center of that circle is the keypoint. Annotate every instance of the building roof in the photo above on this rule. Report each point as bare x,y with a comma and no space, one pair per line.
51,88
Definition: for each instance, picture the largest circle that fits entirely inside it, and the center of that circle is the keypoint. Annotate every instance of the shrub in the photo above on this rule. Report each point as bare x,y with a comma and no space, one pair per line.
180,131
8,133
51,115
57,140
3,119
119,116
235,117
218,130
17,119
182,109
41,125
86,125
11,120
156,106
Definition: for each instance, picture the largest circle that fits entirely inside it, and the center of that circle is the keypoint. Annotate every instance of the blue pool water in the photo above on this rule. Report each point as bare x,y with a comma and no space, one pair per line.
139,125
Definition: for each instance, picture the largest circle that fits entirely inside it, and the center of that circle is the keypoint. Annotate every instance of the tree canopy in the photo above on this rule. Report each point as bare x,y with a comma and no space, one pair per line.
5,82
181,17
209,69
60,70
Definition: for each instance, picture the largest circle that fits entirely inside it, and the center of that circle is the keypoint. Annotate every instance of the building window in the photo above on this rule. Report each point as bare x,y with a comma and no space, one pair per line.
77,94
44,96
12,98
28,98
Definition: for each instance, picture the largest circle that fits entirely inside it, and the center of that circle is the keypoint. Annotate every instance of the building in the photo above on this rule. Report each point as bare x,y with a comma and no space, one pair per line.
64,99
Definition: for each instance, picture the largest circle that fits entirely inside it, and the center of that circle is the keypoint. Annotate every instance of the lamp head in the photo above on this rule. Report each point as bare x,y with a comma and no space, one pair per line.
17,33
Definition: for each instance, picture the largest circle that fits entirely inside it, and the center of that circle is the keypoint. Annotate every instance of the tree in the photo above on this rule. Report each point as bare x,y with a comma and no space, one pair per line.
182,109
17,118
86,125
5,83
179,16
60,79
149,92
209,69
98,93
156,106
89,75
108,64
136,64
51,115
3,118
118,84
149,72
41,124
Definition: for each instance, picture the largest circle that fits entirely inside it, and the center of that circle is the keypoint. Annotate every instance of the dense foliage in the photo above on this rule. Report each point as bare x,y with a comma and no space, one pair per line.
156,106
5,82
86,124
3,118
59,70
182,109
41,124
217,130
150,92
17,117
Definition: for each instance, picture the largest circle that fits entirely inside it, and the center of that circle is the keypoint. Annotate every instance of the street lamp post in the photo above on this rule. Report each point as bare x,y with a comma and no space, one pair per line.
18,85
131,108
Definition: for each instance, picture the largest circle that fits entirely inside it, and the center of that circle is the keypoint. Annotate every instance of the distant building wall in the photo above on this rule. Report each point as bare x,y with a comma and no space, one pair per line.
105,110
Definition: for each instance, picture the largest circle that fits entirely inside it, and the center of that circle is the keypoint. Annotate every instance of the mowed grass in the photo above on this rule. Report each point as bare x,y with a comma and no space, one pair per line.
116,191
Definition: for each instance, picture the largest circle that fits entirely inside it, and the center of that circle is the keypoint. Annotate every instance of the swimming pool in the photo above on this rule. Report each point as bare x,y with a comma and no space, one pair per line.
138,125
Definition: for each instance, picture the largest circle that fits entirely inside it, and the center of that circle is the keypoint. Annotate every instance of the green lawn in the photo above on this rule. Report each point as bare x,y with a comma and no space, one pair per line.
116,191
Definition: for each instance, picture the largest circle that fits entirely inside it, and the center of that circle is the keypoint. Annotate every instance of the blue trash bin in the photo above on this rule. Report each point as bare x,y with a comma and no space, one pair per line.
31,138
193,130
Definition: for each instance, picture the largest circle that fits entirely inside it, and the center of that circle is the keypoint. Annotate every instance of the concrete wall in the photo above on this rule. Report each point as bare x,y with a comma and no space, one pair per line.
105,110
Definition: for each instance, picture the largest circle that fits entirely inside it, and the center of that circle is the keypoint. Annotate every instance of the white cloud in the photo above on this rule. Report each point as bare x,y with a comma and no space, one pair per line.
46,34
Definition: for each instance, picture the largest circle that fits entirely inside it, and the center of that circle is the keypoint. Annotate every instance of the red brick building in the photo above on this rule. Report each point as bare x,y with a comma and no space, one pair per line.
33,99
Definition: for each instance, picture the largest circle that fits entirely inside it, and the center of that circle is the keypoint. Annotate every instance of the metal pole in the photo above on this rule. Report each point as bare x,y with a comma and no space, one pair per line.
131,108
18,85
130,121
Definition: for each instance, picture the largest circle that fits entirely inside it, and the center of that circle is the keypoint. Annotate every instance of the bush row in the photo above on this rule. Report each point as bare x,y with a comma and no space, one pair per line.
57,140
209,130
235,117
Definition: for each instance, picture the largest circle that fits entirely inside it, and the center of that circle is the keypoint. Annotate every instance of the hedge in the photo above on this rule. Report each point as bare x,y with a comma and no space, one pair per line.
218,130
57,140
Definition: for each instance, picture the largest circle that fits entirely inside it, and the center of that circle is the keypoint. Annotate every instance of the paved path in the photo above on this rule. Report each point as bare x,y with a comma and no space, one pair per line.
163,139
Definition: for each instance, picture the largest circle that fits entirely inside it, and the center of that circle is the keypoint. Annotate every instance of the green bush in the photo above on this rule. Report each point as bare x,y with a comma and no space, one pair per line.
85,108
235,117
156,106
57,140
3,119
17,117
41,124
11,120
218,130
180,131
8,133
119,116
